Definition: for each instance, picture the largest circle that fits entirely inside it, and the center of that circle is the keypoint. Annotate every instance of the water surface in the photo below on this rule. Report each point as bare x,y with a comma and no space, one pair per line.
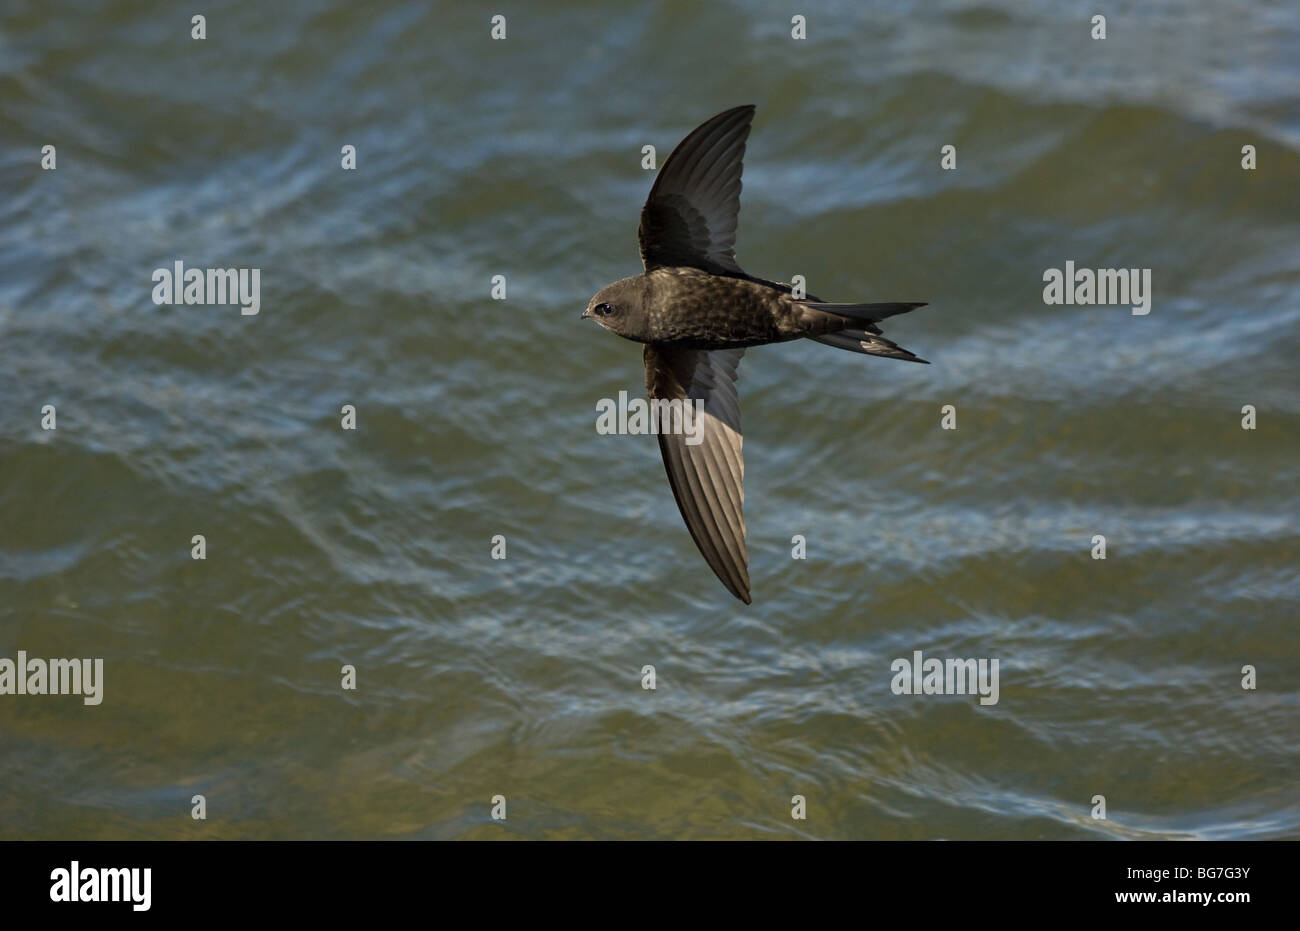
478,677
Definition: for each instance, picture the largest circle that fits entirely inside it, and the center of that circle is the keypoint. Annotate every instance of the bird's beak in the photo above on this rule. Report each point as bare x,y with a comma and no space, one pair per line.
585,314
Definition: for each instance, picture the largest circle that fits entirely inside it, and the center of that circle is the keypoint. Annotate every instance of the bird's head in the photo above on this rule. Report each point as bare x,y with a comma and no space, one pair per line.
619,307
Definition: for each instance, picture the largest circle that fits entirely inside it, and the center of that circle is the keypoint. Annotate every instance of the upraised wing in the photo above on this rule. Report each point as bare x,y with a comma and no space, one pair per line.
690,216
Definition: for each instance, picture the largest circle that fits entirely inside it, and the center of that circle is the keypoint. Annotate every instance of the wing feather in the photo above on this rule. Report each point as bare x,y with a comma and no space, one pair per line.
690,216
707,479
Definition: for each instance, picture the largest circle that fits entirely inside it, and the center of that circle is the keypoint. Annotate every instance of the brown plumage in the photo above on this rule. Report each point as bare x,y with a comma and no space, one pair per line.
696,312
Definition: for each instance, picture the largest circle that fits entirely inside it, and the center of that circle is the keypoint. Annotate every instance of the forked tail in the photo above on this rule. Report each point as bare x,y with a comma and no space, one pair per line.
860,333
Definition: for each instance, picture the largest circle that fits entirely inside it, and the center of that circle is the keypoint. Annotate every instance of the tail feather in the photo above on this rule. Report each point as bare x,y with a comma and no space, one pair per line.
871,344
864,313
860,333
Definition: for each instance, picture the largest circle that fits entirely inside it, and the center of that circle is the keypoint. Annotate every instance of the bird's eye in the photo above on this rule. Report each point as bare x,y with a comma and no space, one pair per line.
603,310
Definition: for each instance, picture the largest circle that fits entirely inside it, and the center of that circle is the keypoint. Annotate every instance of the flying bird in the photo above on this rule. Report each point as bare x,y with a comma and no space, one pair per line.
697,312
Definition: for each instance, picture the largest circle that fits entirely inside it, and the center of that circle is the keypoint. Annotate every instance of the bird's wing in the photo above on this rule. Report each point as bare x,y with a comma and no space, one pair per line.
690,216
707,479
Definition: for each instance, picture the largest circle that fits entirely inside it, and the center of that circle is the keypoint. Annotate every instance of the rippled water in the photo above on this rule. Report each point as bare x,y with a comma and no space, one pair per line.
479,677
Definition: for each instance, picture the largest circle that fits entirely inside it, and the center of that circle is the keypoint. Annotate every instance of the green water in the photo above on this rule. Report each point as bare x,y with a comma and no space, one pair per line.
475,418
